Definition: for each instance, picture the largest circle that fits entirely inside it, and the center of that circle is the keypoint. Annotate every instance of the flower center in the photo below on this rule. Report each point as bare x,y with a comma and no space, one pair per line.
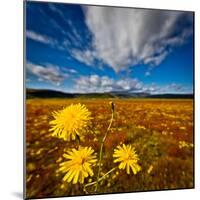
72,115
128,157
81,161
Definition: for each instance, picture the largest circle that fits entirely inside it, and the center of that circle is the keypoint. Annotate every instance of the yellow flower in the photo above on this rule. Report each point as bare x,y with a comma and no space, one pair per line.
78,165
184,144
127,157
70,122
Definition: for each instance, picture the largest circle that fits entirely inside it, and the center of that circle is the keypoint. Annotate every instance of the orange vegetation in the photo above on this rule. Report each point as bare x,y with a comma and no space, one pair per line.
156,128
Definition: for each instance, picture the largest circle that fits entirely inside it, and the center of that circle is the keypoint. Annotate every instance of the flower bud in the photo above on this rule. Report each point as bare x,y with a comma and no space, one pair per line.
112,105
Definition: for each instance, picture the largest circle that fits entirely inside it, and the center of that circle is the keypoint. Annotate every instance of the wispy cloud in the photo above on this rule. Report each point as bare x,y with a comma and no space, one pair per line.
72,36
48,73
167,89
86,56
69,70
40,38
57,10
51,41
123,38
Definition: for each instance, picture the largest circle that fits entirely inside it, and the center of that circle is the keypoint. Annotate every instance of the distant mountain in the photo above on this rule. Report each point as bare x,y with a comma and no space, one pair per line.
147,95
125,94
173,96
41,93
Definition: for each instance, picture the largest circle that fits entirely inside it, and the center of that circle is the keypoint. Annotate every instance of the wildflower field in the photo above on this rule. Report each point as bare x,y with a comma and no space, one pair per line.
148,146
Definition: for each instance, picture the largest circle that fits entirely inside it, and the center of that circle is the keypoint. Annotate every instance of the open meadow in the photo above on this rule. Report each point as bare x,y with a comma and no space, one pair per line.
160,130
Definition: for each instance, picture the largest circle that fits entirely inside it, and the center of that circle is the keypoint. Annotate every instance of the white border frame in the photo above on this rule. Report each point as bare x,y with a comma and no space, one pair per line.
11,167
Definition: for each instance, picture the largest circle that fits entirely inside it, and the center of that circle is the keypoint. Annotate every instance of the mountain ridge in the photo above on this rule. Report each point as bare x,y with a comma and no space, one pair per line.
46,93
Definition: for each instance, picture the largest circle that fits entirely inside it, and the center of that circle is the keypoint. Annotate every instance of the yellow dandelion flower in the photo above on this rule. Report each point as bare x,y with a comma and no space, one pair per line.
79,164
127,157
70,122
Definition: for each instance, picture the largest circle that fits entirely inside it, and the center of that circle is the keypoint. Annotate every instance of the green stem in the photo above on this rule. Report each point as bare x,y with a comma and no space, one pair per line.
101,148
95,182
84,189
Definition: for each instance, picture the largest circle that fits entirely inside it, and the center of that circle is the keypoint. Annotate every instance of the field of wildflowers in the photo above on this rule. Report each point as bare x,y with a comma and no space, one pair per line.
94,146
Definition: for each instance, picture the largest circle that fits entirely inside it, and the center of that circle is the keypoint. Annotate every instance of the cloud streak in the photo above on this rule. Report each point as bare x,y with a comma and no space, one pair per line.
87,56
49,73
40,38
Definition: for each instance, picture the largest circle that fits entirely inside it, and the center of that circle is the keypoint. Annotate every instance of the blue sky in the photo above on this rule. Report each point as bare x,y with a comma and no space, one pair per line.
74,48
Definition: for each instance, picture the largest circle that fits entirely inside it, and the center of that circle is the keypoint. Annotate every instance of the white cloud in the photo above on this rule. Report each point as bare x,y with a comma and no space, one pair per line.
57,26
53,42
69,70
166,89
173,87
98,84
40,38
156,60
73,71
73,36
95,83
48,73
86,56
57,10
124,37
75,32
